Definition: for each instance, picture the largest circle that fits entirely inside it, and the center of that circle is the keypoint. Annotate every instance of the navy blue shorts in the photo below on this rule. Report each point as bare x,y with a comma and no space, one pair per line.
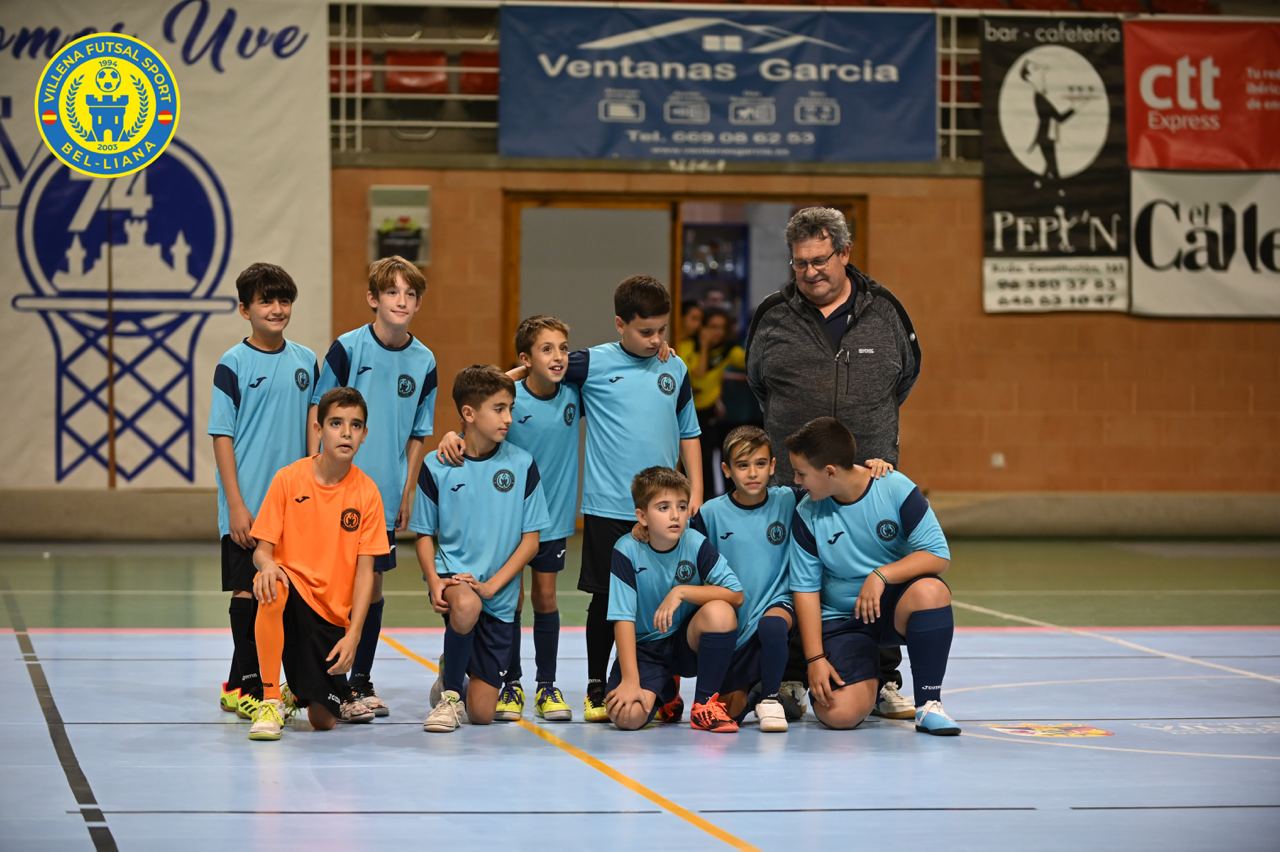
383,564
659,661
550,558
744,668
491,650
853,647
237,567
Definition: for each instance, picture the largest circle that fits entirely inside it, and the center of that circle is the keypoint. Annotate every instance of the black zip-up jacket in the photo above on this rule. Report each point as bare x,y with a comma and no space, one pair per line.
797,374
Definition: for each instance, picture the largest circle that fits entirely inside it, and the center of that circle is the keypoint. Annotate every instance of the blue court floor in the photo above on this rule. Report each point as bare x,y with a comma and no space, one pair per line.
1099,738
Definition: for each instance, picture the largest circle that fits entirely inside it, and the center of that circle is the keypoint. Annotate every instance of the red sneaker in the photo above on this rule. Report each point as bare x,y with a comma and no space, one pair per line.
673,709
712,717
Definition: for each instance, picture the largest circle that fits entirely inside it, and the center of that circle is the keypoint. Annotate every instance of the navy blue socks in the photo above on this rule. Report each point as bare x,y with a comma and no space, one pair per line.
772,635
244,657
715,651
457,657
929,634
368,646
546,644
515,670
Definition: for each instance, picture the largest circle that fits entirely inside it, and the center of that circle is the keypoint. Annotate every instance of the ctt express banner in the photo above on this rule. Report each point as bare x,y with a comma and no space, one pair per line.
117,294
1203,95
621,82
1206,245
1055,186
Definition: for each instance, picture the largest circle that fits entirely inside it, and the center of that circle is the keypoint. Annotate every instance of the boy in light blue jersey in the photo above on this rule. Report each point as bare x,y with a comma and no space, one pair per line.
396,374
866,555
485,516
671,600
639,413
258,421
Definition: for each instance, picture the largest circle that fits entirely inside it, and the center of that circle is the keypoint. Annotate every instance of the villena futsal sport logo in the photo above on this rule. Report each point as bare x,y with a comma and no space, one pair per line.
107,105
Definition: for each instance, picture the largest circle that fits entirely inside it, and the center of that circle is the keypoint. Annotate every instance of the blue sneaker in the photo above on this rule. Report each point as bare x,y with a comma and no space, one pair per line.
932,719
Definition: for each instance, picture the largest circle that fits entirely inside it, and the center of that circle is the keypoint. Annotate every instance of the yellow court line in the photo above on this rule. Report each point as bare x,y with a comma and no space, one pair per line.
602,767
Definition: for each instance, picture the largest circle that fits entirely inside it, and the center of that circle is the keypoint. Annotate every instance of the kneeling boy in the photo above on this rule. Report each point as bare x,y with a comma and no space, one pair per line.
318,531
485,516
672,602
865,558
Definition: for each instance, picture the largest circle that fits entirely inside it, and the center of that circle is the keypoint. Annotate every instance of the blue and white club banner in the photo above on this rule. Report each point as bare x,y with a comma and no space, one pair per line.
641,83
117,296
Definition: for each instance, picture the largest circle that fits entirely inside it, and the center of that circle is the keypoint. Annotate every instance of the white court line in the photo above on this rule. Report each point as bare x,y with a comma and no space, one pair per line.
1124,643
1034,741
951,691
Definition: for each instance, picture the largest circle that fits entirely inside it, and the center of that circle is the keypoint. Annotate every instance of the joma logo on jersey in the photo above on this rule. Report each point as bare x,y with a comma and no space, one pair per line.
405,386
570,412
725,537
524,419
350,519
887,530
684,571
776,533
302,379
504,480
835,537
667,383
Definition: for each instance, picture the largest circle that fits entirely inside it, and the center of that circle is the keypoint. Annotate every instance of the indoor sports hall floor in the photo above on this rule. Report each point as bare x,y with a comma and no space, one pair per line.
1114,695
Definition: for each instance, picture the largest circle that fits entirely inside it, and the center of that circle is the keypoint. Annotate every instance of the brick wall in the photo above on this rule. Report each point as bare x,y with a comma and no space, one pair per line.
1074,402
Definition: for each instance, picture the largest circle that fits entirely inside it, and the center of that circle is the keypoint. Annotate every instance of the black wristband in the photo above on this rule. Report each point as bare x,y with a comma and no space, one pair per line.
815,659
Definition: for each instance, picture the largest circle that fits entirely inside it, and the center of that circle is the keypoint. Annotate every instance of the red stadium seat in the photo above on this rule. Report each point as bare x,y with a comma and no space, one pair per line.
1120,7
478,83
1044,5
415,72
975,4
337,83
907,4
1184,7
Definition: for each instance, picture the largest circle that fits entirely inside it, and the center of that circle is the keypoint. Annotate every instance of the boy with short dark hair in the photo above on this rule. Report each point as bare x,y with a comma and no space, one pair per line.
672,602
318,533
866,555
396,373
258,422
485,517
640,414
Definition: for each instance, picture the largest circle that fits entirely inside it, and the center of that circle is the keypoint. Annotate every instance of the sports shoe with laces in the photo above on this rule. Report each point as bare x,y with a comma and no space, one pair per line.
446,715
549,704
773,719
892,704
932,719
230,698
354,711
268,720
289,702
712,716
362,688
510,703
791,697
593,705
672,711
247,705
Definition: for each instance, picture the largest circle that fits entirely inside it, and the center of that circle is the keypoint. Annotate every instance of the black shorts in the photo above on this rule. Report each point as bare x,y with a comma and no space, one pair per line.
853,647
308,640
659,661
744,667
491,649
550,557
598,538
383,564
237,567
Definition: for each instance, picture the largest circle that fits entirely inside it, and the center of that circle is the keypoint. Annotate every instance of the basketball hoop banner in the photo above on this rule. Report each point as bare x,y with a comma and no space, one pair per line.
127,211
1203,95
1055,181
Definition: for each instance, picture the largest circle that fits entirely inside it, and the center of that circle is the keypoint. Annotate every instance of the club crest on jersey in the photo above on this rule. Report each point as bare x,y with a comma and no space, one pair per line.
667,383
776,533
570,412
107,105
302,379
350,519
504,480
887,530
684,571
405,386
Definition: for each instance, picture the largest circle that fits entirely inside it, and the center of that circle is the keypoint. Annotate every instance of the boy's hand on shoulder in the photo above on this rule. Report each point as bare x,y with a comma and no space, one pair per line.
264,584
622,696
665,614
664,353
345,652
241,521
821,677
640,533
878,468
451,449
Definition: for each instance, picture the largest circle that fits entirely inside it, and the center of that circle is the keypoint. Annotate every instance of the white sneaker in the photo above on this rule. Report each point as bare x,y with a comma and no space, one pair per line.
893,704
268,720
354,711
437,688
446,715
932,719
791,696
773,719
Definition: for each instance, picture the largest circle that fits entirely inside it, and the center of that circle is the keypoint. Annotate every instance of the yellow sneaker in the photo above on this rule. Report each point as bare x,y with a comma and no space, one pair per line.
549,704
268,722
593,706
247,705
230,698
510,703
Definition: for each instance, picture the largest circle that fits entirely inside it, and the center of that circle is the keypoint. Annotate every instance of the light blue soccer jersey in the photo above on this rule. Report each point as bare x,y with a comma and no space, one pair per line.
754,540
260,400
834,546
641,577
637,412
399,387
478,511
548,429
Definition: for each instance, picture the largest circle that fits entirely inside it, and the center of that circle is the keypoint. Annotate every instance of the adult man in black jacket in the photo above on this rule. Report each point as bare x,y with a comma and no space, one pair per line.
834,342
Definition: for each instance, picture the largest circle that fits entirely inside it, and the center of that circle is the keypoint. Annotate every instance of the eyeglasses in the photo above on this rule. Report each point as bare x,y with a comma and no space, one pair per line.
800,264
